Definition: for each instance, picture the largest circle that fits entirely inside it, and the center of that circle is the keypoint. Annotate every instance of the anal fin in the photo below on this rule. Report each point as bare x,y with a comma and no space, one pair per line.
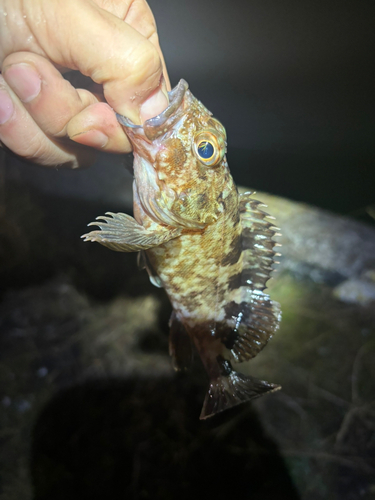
180,346
231,390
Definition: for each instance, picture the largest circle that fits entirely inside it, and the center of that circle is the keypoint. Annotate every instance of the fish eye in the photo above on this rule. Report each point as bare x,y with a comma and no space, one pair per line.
209,148
206,150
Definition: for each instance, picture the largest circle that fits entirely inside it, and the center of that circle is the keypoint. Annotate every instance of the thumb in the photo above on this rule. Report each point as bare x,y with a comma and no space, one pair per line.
130,70
107,49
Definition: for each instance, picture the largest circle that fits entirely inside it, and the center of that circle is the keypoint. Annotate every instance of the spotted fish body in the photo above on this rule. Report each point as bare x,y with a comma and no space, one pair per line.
210,248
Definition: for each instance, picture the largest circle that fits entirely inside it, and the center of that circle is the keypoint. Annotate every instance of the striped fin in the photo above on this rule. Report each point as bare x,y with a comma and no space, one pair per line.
257,243
249,325
122,233
251,316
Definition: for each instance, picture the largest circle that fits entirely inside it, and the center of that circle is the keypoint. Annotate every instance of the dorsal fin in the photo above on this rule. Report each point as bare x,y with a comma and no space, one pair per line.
257,243
251,317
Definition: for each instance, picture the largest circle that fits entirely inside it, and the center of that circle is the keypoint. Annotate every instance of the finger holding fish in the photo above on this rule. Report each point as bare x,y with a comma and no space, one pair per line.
23,136
57,112
60,119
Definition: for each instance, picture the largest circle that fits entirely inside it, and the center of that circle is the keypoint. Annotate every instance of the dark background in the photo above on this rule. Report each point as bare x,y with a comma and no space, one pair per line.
292,82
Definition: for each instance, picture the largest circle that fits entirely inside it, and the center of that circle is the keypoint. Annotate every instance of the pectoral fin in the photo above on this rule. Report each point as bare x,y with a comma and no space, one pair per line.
144,263
122,233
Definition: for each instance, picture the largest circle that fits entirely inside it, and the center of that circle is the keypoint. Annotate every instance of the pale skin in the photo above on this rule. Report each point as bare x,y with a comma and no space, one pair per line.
43,117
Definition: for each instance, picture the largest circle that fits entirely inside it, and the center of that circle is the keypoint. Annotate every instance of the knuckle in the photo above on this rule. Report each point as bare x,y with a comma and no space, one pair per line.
48,154
21,57
36,149
144,63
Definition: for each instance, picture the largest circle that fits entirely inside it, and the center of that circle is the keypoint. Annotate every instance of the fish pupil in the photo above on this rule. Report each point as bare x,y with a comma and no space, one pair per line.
205,150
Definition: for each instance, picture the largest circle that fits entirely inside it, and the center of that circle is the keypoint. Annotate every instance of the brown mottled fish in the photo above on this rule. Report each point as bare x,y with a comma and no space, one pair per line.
210,248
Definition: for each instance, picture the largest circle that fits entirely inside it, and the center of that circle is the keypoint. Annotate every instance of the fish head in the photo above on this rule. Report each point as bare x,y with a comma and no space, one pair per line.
179,162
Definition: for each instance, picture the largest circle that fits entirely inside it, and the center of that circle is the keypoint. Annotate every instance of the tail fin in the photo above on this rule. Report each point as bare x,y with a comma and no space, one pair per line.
231,390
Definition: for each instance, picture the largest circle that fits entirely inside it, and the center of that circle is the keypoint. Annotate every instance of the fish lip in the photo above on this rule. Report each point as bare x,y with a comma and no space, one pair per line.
152,126
176,96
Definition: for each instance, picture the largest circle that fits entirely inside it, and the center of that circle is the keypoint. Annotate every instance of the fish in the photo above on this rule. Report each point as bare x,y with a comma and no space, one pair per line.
209,247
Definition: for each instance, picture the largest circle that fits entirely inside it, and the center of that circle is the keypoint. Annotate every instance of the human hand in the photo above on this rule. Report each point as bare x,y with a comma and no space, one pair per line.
43,118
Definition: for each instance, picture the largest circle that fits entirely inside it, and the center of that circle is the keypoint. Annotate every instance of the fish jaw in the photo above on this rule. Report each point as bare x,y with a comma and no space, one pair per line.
160,124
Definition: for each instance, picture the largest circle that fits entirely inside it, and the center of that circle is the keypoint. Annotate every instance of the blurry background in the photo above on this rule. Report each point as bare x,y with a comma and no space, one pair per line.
292,82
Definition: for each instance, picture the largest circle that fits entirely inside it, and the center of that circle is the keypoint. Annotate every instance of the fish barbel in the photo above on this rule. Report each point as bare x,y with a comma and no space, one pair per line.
210,248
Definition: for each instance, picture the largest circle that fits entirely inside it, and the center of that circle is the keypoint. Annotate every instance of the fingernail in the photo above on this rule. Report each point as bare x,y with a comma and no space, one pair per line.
93,138
154,105
24,80
6,106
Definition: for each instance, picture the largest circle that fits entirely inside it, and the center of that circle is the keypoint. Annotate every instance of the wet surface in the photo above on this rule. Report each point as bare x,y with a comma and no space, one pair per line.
91,408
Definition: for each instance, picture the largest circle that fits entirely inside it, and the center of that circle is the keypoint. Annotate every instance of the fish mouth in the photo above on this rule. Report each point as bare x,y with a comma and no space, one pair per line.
160,124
